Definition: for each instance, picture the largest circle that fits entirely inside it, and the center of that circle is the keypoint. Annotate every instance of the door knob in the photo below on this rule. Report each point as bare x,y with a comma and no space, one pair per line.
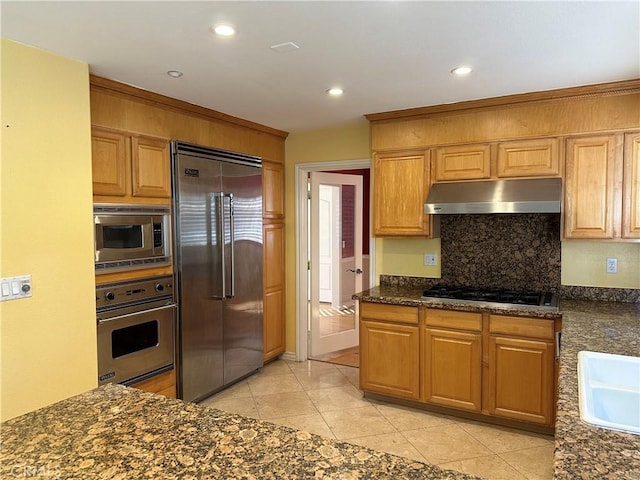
357,270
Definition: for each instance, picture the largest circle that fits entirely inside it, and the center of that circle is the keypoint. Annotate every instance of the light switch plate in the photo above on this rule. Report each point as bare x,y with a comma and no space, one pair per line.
12,288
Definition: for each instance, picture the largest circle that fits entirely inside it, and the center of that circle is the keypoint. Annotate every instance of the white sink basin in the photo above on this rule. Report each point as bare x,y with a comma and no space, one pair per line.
609,390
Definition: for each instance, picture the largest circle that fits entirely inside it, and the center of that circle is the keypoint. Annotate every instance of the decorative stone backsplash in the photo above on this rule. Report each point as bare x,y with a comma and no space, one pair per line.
519,251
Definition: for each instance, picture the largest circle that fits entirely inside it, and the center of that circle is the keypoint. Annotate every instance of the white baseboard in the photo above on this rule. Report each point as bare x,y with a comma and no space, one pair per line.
291,356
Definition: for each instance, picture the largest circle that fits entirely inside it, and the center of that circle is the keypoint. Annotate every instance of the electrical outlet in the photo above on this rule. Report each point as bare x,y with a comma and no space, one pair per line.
430,259
612,265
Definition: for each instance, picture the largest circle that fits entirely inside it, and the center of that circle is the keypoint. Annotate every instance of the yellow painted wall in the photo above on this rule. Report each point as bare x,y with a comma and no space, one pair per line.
404,257
48,341
583,263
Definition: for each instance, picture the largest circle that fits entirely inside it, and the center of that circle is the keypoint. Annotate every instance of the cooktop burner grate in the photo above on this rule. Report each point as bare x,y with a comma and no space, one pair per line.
493,295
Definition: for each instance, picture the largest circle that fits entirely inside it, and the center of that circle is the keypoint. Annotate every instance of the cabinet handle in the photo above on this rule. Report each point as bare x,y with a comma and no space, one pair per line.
558,335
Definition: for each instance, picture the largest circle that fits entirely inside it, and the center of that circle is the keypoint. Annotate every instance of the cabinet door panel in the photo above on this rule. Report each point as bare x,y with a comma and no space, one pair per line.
631,187
590,187
150,168
521,379
109,163
273,193
389,359
529,158
466,162
273,296
401,183
452,368
274,335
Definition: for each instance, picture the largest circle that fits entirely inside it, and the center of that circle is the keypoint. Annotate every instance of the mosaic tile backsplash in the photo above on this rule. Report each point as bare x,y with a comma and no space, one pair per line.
519,251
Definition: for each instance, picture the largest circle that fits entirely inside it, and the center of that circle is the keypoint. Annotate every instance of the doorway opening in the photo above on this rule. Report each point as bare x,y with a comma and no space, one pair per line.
334,256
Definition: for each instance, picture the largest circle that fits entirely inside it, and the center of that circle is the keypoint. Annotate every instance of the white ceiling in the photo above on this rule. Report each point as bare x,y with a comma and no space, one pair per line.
386,55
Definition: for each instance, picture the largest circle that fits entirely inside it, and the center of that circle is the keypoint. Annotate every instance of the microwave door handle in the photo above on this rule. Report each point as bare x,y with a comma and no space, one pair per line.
232,241
217,221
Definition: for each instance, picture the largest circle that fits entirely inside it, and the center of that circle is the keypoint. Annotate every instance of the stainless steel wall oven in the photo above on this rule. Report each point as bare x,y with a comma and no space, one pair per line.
136,329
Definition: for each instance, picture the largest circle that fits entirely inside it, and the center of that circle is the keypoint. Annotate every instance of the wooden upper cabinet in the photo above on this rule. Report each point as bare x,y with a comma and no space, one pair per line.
631,187
591,186
464,162
400,186
109,162
129,168
272,190
529,158
151,173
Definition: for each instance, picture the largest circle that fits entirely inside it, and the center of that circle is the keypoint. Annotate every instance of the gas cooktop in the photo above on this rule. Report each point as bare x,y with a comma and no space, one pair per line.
488,296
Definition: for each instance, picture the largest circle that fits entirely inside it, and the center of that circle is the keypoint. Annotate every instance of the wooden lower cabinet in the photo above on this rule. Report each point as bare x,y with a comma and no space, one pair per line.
521,379
491,365
521,361
163,384
390,350
452,368
273,293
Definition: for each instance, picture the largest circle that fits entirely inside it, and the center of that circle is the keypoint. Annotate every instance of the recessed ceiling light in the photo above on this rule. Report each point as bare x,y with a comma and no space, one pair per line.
335,91
174,73
223,29
461,70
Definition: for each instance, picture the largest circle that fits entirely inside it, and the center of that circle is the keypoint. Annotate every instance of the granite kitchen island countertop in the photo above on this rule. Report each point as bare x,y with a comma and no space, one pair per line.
116,433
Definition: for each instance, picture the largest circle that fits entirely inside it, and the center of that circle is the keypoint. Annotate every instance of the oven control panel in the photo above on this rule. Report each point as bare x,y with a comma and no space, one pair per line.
115,294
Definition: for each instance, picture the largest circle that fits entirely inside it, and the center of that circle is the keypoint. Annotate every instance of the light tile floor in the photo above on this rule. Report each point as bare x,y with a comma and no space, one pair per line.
324,398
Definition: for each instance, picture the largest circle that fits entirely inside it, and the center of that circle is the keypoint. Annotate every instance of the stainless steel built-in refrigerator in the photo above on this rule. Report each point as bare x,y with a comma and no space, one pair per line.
217,221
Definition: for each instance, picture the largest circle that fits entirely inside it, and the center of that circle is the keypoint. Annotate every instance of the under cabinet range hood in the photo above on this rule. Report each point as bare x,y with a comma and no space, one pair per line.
539,195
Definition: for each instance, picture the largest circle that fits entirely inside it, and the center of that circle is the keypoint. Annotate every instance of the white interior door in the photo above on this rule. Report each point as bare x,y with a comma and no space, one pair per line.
333,324
329,241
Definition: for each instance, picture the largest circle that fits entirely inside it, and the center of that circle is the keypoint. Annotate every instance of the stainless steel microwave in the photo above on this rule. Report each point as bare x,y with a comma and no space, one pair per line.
129,236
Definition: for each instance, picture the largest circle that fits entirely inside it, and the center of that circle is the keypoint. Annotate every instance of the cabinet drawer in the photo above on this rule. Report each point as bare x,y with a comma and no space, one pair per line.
521,327
163,384
389,313
454,319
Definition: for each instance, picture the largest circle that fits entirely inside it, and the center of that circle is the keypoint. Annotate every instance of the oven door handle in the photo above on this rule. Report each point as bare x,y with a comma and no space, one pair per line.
139,312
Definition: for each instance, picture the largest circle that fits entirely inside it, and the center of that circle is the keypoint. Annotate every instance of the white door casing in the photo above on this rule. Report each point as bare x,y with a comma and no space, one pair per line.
302,234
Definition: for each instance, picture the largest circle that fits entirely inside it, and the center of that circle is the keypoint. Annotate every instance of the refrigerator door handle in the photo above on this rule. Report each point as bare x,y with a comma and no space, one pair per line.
232,230
218,199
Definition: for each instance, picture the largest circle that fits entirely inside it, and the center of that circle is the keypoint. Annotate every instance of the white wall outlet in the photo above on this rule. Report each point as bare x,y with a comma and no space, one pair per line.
612,265
430,259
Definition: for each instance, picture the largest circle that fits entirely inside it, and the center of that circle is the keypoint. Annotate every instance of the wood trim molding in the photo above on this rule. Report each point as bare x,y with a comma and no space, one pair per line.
104,84
625,87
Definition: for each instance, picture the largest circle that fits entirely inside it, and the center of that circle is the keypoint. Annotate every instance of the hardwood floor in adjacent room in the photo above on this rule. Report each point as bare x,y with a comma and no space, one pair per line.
324,398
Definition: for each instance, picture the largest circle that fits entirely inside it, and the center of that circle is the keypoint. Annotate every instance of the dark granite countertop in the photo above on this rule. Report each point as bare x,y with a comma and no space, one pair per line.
117,433
411,296
583,451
